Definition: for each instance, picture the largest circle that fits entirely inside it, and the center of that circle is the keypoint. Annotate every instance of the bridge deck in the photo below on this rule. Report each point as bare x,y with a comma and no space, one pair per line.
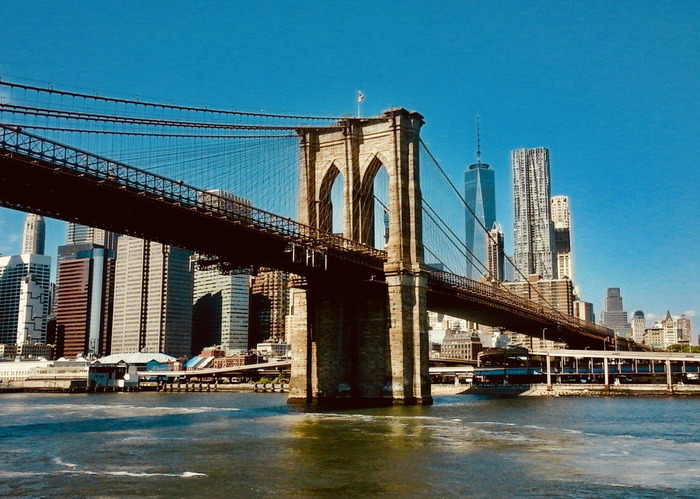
42,176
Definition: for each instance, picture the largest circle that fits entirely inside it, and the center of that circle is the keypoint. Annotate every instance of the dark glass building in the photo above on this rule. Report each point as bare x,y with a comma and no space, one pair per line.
480,194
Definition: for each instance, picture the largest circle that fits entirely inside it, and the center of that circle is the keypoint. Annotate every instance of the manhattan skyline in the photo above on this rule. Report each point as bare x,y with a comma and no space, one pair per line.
611,92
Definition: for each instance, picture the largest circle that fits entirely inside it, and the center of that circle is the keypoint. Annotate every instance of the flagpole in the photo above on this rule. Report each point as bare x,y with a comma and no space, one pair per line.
360,98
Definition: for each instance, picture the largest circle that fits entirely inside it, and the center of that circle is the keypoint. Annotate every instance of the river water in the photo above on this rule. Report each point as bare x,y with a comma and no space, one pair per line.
254,445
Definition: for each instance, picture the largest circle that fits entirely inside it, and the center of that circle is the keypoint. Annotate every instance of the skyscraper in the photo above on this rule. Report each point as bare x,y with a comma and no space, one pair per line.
34,235
78,233
221,310
84,305
684,329
614,317
152,299
480,195
639,324
13,272
496,256
269,305
550,294
670,334
584,310
561,218
533,230
31,320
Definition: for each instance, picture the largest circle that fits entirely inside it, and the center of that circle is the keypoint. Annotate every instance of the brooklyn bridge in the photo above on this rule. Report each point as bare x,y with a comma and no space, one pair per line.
357,209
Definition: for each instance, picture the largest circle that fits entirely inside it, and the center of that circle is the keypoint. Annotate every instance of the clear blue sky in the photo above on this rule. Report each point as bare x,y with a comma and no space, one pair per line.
611,88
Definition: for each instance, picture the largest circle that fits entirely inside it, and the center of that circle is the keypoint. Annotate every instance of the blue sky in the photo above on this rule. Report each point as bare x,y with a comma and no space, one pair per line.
611,88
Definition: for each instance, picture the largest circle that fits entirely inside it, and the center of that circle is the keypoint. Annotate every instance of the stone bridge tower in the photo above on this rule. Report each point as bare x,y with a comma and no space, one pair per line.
364,341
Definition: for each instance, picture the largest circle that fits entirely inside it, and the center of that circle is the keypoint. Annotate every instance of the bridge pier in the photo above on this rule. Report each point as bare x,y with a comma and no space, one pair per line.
340,344
408,338
365,343
364,340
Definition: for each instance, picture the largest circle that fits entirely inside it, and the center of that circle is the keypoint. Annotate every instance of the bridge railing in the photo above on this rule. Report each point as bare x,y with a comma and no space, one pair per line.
13,139
502,295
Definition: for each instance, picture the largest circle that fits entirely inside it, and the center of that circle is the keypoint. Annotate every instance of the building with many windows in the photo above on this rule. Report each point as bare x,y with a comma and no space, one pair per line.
684,329
220,310
14,305
31,315
550,294
496,255
459,344
561,219
533,229
152,299
639,325
78,233
654,336
480,195
670,334
34,234
614,317
584,310
269,306
84,302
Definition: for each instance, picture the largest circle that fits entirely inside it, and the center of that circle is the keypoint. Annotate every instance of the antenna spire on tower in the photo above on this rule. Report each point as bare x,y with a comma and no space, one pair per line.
478,140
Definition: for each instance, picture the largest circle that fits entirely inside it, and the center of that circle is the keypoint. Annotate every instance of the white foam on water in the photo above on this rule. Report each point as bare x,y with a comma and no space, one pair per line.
124,410
188,474
21,474
60,462
133,474
73,469
615,454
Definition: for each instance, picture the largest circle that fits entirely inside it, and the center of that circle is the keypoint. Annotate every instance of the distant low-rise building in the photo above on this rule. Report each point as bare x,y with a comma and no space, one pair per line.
43,374
274,350
142,361
654,336
34,350
7,351
237,360
18,370
461,345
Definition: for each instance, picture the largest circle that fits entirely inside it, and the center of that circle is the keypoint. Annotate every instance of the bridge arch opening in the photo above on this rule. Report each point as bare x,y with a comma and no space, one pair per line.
332,202
374,204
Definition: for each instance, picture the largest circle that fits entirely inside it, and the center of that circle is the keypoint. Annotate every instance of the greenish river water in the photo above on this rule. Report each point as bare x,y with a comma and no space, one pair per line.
254,445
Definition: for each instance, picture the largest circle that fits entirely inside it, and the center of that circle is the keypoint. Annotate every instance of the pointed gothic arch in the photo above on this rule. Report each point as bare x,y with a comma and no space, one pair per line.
325,198
368,202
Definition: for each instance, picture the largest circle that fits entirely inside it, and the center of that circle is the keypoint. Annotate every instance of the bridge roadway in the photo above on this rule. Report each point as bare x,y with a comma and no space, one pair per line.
41,176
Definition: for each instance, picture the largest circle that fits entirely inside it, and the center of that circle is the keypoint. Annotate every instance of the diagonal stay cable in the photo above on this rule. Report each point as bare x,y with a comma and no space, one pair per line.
454,237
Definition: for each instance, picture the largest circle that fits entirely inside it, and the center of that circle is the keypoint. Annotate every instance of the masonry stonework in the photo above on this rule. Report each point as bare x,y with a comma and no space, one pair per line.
364,341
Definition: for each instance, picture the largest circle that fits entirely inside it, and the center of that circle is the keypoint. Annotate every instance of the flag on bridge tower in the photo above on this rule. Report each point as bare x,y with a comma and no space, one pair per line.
360,98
